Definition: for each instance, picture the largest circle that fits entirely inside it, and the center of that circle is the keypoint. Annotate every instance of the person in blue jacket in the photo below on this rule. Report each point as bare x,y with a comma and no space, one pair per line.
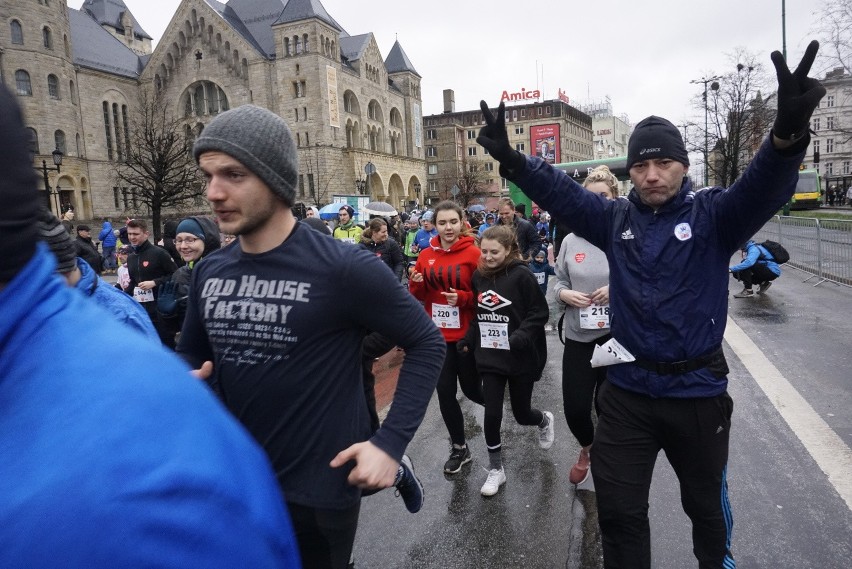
108,240
541,269
668,247
101,468
757,266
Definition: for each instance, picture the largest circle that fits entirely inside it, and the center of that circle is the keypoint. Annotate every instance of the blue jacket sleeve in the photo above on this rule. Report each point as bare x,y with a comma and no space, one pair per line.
752,255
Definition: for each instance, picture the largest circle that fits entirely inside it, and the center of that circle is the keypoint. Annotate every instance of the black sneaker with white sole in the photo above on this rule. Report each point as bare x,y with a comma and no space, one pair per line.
458,458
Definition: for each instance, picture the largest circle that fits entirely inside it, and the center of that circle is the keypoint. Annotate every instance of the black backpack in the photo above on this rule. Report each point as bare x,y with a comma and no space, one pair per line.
778,252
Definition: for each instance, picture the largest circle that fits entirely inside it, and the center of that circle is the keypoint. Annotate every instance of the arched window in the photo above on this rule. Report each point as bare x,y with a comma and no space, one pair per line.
33,141
204,98
22,83
47,37
53,86
287,47
17,32
59,137
305,43
73,94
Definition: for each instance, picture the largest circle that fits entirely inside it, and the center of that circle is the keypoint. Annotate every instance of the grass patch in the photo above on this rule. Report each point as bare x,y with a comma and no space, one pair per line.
815,213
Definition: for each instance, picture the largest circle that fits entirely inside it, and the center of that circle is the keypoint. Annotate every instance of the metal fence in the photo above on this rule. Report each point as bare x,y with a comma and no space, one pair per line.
821,248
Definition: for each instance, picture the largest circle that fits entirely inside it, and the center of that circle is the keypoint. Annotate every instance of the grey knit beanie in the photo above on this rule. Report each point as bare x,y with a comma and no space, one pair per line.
261,141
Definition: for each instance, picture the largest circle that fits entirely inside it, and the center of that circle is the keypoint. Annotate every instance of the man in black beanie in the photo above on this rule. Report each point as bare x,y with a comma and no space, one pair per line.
266,315
668,248
109,465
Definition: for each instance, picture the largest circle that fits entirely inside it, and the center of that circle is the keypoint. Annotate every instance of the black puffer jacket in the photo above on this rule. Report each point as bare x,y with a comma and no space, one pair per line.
389,252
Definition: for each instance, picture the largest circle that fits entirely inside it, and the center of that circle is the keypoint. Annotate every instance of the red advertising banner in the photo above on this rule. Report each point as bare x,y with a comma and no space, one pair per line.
544,142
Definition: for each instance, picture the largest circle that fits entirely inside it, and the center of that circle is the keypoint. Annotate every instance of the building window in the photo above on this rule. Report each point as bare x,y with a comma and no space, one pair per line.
539,111
116,194
523,113
829,145
489,166
829,101
433,187
519,147
471,135
301,184
816,124
299,89
47,37
471,151
204,98
23,85
504,184
816,146
431,134
519,130
829,123
17,32
829,168
126,129
118,149
433,169
846,165
485,151
59,137
53,86
431,151
108,130
33,141
73,94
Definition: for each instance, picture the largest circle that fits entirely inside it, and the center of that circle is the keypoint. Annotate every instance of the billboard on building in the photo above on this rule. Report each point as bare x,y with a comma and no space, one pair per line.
333,102
544,142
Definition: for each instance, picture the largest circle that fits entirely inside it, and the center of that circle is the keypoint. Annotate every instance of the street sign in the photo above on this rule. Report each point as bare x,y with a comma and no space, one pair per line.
455,190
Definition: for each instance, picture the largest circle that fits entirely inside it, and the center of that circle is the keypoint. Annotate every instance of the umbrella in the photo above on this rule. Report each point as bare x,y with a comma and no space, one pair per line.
330,211
476,208
379,208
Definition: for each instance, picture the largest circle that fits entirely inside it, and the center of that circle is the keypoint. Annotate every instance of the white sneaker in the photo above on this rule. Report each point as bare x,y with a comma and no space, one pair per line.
546,435
496,478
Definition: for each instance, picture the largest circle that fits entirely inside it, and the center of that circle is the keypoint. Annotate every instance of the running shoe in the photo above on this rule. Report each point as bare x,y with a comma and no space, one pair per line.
764,286
458,458
547,434
408,486
496,478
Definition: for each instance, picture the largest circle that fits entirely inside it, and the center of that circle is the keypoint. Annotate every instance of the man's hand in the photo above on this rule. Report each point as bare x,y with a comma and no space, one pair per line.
798,96
494,138
374,468
204,372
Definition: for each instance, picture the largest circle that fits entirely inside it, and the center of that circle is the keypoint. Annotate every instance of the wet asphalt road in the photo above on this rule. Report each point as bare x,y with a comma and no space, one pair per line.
787,513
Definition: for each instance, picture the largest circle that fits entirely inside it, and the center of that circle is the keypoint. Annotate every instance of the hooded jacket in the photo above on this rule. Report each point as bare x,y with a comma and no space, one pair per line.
389,252
668,268
512,297
124,308
107,236
757,254
443,269
176,311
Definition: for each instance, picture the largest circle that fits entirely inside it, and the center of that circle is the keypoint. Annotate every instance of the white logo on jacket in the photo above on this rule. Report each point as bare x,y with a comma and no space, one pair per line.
627,234
683,232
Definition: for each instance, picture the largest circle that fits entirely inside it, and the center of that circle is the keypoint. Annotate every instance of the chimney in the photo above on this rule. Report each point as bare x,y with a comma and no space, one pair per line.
449,101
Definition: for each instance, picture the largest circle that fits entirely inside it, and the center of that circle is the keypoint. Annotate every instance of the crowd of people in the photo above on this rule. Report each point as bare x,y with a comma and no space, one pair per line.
240,310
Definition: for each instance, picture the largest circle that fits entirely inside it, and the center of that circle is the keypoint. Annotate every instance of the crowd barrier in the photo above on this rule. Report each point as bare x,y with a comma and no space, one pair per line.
822,248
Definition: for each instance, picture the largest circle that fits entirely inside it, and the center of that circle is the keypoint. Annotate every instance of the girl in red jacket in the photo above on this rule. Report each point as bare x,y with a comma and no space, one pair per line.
442,281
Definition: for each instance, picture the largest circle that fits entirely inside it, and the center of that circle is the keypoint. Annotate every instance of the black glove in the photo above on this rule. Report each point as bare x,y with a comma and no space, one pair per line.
517,342
167,301
798,95
494,138
463,347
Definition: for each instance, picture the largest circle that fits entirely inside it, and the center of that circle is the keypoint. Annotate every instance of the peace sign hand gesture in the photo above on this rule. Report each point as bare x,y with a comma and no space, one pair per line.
798,95
494,138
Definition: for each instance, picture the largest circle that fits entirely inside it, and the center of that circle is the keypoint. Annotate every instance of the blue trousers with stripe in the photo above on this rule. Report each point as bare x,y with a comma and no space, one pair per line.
694,433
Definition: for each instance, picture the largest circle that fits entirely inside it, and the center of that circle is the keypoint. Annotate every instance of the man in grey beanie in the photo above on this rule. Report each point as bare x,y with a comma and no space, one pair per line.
266,315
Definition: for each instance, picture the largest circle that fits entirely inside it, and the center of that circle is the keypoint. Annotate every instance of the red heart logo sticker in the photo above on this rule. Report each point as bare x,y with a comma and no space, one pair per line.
494,344
580,257
144,263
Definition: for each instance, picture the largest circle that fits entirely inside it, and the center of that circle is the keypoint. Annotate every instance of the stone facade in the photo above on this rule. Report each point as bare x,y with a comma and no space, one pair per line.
832,125
206,62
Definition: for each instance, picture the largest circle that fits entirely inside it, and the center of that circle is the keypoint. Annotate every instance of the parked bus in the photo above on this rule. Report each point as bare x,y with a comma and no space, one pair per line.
579,171
808,191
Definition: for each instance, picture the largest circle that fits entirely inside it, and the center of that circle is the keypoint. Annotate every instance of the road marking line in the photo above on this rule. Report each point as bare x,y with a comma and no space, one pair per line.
827,449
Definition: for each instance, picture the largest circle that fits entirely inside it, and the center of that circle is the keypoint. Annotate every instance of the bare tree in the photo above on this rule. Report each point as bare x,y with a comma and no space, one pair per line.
472,180
835,34
739,117
157,164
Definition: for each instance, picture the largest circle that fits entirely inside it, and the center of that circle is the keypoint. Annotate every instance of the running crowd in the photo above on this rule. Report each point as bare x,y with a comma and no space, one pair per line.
252,440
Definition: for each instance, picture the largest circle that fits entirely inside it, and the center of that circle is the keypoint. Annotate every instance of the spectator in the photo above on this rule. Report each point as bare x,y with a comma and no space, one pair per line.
757,266
86,249
528,241
108,240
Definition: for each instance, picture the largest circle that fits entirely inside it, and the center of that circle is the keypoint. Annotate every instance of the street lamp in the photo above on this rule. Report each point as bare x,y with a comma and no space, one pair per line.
360,184
715,86
57,163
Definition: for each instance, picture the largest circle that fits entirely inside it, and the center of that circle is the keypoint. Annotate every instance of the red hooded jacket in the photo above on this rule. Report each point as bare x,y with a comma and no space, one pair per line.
443,269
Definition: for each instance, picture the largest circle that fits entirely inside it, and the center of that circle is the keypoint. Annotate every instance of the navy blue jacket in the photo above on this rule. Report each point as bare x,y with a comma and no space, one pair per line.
669,269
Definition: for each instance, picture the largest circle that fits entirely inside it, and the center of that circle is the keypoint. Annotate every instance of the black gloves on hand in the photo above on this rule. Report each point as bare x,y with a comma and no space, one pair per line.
494,138
167,301
798,95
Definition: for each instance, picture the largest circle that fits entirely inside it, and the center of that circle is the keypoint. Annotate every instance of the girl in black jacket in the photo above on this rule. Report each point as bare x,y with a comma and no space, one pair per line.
508,343
375,239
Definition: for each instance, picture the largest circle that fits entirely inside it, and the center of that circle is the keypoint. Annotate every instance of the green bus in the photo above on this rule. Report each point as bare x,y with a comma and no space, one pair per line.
808,191
578,171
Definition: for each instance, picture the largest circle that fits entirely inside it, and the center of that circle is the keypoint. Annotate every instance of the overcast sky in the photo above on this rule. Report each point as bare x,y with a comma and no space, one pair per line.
641,54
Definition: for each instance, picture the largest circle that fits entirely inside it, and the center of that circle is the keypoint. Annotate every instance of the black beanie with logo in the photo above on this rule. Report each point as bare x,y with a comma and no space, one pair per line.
655,137
18,193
